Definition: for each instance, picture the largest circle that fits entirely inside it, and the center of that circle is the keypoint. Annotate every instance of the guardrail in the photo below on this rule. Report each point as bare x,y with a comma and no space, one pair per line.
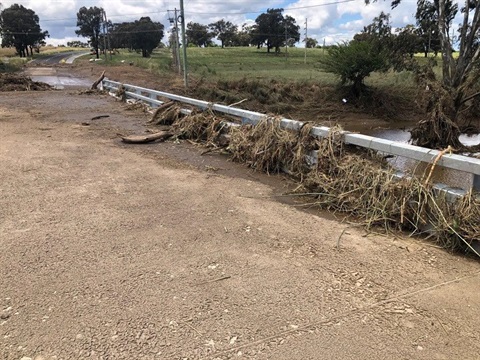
452,161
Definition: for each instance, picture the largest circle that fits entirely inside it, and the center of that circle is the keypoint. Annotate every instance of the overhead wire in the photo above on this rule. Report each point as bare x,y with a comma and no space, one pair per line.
216,13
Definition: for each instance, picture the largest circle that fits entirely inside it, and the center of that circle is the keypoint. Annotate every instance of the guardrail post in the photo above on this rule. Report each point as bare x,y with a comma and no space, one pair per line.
153,97
476,182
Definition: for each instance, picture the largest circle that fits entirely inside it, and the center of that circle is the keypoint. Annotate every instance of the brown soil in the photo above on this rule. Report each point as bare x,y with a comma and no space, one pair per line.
114,251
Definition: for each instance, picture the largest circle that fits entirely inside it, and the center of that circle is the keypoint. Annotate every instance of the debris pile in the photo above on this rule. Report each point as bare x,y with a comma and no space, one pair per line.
18,82
355,182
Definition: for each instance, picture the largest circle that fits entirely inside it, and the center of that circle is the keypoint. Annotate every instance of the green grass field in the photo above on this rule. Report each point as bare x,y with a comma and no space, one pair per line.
236,63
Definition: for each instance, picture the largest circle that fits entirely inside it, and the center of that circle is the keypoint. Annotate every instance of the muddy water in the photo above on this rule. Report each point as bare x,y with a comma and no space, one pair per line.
442,175
53,78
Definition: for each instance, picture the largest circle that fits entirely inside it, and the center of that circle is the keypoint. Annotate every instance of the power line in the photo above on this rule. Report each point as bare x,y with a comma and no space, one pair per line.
216,13
261,12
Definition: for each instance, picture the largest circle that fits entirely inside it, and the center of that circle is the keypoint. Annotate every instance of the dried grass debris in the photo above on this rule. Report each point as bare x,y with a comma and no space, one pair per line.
355,182
166,114
202,126
267,147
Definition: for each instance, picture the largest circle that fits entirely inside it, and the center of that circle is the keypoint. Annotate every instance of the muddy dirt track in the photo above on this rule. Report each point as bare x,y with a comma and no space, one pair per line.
112,251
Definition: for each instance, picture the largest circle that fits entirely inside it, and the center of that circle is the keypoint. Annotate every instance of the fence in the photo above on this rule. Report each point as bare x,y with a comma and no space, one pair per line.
452,161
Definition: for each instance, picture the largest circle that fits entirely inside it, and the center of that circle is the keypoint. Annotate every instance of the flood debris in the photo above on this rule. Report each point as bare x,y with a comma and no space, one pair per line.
355,182
98,81
166,114
144,139
99,117
19,82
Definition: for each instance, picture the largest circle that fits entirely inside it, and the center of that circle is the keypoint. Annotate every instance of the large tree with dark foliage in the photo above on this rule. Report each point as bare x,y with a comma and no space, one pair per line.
20,28
274,30
121,35
225,31
142,35
89,22
146,35
198,34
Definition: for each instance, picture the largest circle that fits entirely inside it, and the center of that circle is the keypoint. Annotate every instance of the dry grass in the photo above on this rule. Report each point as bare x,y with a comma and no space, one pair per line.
356,183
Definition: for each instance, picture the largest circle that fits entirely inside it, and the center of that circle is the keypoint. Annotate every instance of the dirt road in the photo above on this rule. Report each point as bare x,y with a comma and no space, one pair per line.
112,251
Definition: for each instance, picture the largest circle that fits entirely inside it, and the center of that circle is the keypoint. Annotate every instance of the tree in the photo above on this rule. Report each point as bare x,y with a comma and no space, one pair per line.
274,29
224,31
427,23
198,34
406,43
146,35
243,37
142,35
353,61
456,91
89,22
378,32
77,43
20,28
310,43
400,46
121,35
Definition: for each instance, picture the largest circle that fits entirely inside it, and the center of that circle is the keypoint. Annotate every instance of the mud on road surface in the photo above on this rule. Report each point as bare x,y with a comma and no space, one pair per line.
113,251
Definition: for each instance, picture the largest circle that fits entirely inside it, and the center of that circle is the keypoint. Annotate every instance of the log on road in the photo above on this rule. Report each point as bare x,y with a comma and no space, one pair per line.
144,139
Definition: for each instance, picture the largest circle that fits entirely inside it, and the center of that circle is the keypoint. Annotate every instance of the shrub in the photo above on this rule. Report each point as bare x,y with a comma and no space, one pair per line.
354,61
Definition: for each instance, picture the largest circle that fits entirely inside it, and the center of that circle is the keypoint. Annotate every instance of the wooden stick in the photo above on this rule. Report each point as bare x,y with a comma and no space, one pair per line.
237,103
99,117
215,280
449,149
143,139
99,80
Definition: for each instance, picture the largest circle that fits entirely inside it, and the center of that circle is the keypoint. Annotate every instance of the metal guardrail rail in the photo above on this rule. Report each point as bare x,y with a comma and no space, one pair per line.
452,161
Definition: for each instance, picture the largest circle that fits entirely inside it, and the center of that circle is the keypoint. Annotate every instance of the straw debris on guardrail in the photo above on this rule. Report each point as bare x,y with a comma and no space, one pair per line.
346,179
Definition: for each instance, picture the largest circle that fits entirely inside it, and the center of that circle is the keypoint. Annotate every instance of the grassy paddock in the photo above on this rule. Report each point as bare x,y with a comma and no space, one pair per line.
236,63
159,62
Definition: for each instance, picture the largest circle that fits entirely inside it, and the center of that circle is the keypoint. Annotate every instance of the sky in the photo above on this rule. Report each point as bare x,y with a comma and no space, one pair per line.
332,21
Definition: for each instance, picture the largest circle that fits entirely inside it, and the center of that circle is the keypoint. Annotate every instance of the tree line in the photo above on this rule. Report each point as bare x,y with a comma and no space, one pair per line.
141,35
19,28
272,29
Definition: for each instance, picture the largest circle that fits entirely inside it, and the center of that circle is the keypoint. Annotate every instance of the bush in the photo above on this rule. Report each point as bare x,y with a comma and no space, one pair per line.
354,61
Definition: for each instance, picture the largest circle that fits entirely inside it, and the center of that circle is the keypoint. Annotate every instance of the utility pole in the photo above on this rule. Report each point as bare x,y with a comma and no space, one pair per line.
177,40
286,42
184,45
173,43
306,38
105,34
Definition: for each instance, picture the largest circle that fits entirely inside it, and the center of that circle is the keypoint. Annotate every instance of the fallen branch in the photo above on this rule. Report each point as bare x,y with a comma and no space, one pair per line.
144,139
449,149
237,103
160,109
99,117
99,80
